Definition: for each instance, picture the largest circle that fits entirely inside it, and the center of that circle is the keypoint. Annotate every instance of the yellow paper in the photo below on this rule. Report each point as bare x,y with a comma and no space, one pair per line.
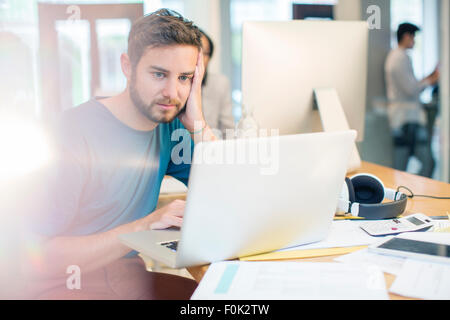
302,254
337,218
347,218
444,230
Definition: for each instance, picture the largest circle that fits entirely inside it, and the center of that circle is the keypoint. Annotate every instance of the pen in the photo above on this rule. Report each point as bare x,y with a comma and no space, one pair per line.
447,217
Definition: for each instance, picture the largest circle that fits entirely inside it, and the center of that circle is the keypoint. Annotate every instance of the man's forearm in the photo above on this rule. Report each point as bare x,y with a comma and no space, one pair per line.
87,252
203,135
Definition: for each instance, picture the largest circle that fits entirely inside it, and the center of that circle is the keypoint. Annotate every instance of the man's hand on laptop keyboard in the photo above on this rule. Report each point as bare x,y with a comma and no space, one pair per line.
168,216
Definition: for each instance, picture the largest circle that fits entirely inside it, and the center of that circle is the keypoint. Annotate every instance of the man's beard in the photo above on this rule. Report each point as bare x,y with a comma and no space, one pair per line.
151,110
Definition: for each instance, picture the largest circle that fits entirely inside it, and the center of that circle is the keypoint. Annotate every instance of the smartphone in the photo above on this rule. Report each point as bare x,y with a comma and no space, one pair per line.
430,251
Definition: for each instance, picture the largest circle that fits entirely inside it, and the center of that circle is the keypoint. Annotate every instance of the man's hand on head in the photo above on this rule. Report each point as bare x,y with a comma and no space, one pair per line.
193,118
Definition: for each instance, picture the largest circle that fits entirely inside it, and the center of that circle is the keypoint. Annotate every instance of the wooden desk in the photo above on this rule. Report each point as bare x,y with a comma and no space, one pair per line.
391,179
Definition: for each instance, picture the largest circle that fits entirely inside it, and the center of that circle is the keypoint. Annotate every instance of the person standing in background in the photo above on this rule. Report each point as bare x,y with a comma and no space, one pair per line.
216,93
406,113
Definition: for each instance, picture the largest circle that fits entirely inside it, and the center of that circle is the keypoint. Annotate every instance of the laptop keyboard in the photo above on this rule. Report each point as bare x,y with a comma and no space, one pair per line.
172,245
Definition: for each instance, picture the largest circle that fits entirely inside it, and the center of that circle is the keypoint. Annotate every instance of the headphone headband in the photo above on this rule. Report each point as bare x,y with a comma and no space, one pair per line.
371,210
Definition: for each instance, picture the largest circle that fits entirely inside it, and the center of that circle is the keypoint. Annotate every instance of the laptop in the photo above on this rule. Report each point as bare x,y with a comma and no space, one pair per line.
251,196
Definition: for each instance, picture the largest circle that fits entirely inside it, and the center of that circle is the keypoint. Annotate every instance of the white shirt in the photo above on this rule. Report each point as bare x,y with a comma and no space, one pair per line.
216,103
403,90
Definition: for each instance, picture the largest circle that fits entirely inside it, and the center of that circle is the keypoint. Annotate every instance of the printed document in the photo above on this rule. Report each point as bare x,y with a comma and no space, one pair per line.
342,234
388,264
423,280
290,281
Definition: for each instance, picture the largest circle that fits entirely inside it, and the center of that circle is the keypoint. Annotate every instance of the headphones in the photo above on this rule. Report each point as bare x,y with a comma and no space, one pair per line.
363,194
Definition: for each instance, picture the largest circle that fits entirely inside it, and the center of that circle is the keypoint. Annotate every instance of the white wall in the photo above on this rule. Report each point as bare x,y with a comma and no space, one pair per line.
379,41
445,89
348,10
377,144
207,15
431,35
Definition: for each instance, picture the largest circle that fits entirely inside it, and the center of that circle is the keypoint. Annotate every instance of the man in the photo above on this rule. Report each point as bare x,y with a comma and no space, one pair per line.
216,93
112,156
406,115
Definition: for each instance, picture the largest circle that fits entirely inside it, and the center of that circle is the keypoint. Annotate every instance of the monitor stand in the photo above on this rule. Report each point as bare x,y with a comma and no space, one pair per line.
333,118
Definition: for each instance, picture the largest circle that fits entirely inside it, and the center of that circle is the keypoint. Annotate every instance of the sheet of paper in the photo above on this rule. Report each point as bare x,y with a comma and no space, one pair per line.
290,281
423,280
441,226
342,234
437,237
171,185
388,264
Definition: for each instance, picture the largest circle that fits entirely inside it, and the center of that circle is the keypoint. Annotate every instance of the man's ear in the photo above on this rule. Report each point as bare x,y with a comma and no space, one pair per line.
125,63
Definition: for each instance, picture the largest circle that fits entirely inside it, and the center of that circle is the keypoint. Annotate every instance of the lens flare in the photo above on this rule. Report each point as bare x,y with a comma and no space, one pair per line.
24,148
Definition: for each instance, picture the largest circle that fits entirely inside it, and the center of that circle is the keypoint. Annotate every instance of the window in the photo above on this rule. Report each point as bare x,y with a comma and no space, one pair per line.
113,38
153,5
424,14
408,11
20,17
245,10
425,56
74,61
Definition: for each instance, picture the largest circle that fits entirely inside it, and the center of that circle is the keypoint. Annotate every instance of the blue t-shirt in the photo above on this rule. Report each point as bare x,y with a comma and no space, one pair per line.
107,174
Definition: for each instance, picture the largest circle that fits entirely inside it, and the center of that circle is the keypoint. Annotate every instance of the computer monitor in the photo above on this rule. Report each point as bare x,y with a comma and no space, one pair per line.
284,62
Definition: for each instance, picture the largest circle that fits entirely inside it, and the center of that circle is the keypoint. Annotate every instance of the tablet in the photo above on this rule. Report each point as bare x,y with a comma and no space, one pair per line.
408,248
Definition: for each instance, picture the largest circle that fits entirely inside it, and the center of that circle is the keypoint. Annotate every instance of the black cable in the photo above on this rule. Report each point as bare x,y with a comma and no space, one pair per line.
412,195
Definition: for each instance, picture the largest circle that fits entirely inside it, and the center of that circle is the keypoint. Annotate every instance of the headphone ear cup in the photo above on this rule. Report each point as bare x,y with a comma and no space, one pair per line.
368,189
351,190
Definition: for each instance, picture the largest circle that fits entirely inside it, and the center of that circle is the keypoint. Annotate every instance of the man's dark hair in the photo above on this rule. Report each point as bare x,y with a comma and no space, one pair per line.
164,27
210,42
406,28
210,54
